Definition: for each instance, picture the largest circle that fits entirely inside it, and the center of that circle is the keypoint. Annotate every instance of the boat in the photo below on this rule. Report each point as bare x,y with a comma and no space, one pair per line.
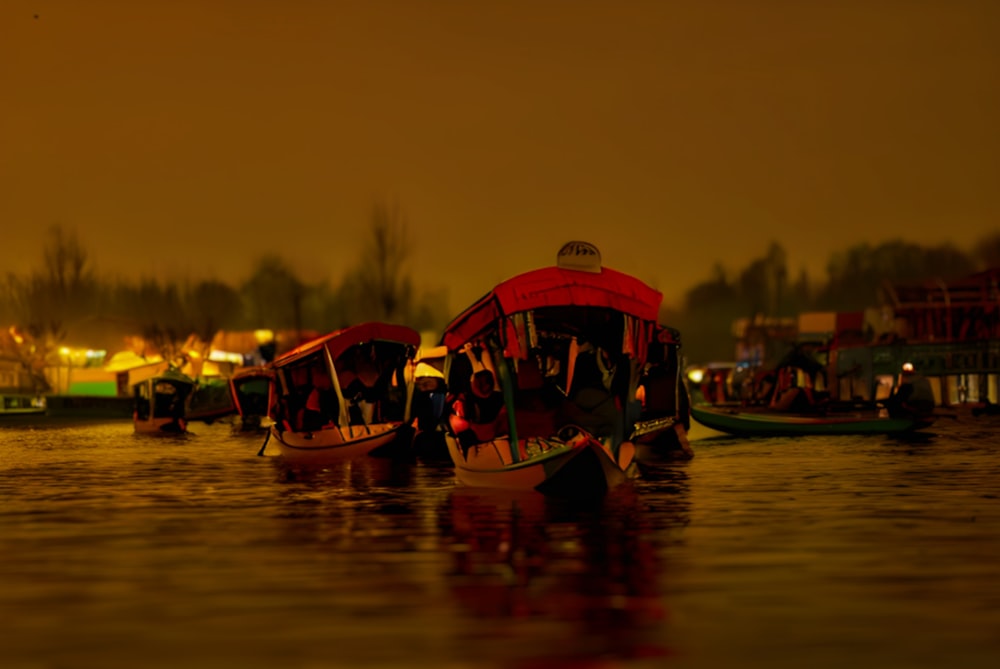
250,388
22,404
344,395
160,402
760,421
21,392
543,373
664,417
211,400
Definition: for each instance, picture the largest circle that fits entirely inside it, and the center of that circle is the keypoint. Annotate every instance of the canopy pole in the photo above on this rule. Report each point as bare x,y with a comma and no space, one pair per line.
507,384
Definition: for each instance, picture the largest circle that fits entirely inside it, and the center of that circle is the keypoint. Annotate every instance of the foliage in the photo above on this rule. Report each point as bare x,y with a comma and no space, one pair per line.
213,306
987,251
46,304
273,295
380,287
64,300
855,276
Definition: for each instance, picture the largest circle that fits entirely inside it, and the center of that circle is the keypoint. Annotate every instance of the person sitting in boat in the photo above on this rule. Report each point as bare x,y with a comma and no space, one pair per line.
762,387
593,391
790,396
794,399
479,414
913,397
321,405
361,386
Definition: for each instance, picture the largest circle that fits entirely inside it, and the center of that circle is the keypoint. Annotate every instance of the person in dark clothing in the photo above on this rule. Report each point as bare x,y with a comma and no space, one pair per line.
913,398
485,401
321,405
479,414
362,386
594,392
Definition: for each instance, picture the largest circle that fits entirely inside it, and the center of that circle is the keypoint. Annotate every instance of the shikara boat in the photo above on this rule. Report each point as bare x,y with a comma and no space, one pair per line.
19,391
210,400
765,422
344,395
21,404
160,402
543,374
250,388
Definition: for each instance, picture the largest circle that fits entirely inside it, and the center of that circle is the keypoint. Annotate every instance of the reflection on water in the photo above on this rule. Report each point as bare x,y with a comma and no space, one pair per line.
591,574
121,550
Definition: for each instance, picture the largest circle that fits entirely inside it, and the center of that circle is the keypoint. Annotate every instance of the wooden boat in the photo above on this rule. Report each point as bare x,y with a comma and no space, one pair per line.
210,400
344,395
251,391
665,417
765,422
20,392
160,402
21,404
567,345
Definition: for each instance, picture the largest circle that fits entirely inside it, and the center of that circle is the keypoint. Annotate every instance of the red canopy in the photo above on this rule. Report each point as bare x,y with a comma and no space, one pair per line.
555,287
341,340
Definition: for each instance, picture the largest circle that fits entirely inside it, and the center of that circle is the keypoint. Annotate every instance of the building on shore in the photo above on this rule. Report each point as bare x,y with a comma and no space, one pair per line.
949,331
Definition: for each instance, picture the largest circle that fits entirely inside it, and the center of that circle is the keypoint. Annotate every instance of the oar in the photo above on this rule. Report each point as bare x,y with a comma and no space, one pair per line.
264,445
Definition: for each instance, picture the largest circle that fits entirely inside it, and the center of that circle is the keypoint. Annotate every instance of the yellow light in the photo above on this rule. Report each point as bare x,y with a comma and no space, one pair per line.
215,355
696,375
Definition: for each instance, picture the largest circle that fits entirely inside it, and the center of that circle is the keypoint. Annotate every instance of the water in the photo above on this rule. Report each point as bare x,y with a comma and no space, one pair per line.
118,550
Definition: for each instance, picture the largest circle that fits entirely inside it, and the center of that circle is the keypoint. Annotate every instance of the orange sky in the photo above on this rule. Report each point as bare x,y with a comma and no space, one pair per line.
182,138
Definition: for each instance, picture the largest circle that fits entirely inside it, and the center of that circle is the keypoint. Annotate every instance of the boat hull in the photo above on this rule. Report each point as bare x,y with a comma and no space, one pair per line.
20,404
156,425
748,423
335,443
580,467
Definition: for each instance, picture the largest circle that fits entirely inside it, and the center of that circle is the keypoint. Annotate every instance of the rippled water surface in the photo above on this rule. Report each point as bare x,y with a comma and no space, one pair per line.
118,550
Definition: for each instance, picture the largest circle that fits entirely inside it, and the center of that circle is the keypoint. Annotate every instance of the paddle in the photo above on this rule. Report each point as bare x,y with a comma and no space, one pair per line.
264,445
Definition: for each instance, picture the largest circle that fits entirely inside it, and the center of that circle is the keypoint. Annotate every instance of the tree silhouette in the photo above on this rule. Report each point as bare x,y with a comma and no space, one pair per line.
274,295
855,275
213,306
379,288
987,250
48,303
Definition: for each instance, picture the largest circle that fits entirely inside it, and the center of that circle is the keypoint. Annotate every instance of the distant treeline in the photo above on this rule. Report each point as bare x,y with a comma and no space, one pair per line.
67,302
854,278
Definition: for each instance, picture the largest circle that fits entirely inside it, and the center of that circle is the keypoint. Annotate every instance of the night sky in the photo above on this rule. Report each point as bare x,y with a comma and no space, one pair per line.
186,139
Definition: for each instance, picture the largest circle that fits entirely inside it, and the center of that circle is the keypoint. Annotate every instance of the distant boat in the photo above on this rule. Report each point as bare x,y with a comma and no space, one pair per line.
562,347
20,394
251,391
21,404
210,400
765,422
346,394
160,402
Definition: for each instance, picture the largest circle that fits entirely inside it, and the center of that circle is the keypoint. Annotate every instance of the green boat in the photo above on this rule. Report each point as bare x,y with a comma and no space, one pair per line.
763,422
